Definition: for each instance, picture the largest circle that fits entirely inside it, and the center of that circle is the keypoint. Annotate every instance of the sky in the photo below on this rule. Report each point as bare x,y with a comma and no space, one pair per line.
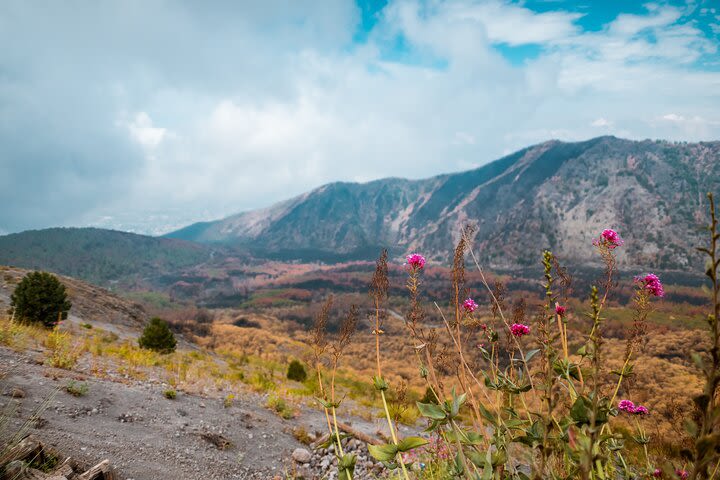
148,115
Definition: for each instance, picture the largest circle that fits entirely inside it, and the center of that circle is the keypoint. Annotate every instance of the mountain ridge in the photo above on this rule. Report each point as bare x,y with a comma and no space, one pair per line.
98,255
553,195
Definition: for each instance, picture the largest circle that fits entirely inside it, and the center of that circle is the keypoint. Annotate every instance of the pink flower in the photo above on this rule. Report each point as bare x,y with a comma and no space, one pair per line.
560,310
416,260
652,284
657,473
518,329
682,474
609,238
469,305
641,410
626,406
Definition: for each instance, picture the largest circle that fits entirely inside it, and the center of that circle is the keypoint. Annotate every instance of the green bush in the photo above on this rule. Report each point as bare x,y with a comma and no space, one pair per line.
296,371
170,394
157,336
40,297
77,389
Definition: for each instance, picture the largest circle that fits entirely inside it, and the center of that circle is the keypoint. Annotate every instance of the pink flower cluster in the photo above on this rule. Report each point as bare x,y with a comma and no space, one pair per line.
416,260
609,238
560,310
469,305
651,283
683,474
518,329
629,407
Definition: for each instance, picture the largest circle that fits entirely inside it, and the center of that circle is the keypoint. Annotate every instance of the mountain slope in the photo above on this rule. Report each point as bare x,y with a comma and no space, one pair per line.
553,195
99,256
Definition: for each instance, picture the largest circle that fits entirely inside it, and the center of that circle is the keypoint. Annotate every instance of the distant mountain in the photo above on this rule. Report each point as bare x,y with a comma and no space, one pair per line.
100,256
553,195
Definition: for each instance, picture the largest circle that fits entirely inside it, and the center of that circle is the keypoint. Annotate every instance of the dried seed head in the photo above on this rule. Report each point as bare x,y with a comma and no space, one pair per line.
347,329
319,338
379,284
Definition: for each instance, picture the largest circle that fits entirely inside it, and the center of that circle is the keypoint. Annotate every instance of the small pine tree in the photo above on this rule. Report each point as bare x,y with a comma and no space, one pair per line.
157,336
296,371
40,297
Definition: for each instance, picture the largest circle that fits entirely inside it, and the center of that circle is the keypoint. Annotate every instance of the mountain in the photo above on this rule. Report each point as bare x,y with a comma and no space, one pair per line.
553,195
99,256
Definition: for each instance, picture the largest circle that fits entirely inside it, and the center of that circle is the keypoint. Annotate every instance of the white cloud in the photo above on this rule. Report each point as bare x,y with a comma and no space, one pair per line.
142,130
240,106
601,122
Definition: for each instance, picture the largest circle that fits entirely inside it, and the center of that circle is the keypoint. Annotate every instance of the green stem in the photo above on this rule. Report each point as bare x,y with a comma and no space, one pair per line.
392,434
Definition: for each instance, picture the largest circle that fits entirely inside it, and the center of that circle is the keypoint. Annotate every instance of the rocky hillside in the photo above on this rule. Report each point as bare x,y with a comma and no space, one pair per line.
553,195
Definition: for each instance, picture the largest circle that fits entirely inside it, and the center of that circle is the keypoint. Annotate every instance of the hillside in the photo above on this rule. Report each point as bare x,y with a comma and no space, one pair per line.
553,195
99,256
88,392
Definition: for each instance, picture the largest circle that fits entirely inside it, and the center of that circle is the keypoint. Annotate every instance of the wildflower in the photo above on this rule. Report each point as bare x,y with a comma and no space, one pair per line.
469,305
651,283
657,473
416,260
626,406
560,310
640,410
518,329
683,474
609,238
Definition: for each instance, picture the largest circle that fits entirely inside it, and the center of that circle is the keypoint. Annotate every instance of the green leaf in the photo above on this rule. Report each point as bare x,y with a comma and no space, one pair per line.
487,414
383,453
380,383
531,354
409,443
580,411
458,401
327,404
346,462
431,411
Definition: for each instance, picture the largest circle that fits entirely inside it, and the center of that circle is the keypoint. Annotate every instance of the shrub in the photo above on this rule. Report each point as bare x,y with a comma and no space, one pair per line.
170,394
63,352
77,389
296,371
40,297
301,435
158,337
280,406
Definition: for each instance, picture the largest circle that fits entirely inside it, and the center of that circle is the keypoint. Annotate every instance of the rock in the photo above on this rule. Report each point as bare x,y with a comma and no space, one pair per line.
15,469
301,455
16,393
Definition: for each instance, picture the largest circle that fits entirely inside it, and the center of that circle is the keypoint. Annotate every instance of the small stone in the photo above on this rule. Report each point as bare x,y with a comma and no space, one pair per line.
17,393
301,455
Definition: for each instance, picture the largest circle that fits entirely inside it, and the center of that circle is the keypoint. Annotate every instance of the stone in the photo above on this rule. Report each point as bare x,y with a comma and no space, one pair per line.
301,455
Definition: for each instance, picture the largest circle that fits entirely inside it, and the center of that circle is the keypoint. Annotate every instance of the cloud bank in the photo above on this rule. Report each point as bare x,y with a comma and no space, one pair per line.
146,116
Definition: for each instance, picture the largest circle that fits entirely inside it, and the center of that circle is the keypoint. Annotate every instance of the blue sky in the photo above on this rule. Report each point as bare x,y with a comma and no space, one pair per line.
146,115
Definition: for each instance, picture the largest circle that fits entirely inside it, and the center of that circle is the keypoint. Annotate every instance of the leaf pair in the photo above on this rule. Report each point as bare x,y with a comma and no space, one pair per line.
388,452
